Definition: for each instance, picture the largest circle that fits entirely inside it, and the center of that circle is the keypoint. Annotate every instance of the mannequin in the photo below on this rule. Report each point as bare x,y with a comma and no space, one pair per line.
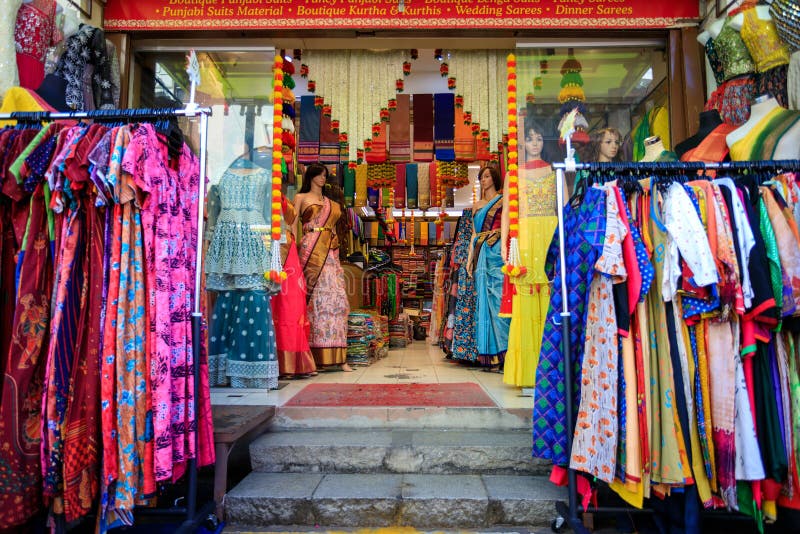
654,150
714,62
8,54
732,51
605,145
771,132
491,330
762,40
708,121
328,306
537,222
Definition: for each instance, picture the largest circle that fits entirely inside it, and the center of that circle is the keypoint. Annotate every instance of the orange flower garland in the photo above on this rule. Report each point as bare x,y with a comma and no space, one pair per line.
513,266
276,273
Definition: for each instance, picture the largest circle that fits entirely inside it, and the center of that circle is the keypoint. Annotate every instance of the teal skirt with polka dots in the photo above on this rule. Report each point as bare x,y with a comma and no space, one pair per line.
241,343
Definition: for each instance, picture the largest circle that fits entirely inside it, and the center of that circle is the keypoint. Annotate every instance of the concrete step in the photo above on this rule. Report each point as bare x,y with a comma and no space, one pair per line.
294,417
396,451
385,500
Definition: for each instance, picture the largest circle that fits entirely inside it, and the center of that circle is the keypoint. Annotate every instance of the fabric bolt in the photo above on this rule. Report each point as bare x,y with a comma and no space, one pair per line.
361,185
376,150
444,126
308,142
491,330
584,229
400,129
423,127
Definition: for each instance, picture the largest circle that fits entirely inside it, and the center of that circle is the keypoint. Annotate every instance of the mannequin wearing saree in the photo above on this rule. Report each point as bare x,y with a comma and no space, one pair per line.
537,222
464,347
242,337
328,306
491,330
289,309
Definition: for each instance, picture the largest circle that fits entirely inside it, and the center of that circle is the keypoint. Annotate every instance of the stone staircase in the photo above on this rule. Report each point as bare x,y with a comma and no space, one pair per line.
383,469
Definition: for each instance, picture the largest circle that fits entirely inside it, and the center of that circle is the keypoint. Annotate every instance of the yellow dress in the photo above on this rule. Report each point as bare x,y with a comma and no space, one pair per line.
537,223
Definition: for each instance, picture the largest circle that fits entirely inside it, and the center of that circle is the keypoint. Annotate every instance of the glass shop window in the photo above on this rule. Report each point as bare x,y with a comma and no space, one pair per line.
624,88
235,84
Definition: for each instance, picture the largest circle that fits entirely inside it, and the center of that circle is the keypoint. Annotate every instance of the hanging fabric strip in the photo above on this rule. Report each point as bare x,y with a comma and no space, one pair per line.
361,185
464,144
400,130
423,127
349,186
443,126
377,152
400,186
411,184
424,185
328,141
308,147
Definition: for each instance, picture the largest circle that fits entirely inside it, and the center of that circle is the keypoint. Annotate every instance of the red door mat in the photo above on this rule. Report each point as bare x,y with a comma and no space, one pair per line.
462,394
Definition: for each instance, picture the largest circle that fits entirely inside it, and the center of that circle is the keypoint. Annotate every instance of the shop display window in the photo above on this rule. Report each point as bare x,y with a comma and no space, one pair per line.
235,84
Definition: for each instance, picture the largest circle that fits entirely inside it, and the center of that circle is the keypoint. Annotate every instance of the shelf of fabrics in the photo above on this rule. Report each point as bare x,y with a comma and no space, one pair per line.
400,331
367,337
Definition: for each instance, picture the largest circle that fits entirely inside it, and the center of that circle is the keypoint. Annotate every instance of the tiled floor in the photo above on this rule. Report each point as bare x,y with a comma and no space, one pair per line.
420,362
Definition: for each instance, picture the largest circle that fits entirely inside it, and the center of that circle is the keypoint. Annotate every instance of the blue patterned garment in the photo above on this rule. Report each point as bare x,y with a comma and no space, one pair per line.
584,229
464,346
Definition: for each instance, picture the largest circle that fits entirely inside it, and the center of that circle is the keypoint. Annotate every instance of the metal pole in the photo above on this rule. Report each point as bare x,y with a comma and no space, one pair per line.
565,344
197,320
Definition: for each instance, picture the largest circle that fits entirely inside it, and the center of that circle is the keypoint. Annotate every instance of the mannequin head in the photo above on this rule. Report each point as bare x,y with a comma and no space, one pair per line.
491,182
315,178
533,142
605,145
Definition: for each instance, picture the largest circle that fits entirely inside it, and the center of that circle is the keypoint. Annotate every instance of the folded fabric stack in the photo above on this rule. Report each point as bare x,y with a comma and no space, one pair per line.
398,332
360,328
380,342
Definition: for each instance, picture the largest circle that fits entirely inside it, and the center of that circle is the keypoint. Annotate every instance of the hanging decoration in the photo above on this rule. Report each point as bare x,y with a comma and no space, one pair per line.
312,86
514,265
451,83
399,85
480,76
444,69
303,70
414,53
357,84
572,97
276,273
406,68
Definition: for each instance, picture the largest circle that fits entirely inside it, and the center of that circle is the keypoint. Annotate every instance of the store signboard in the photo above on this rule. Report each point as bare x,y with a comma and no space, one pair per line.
127,15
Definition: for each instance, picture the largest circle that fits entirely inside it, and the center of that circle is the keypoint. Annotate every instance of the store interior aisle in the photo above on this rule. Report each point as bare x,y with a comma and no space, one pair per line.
420,363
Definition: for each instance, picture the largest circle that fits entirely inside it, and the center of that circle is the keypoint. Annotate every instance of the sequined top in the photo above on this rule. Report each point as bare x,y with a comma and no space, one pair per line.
762,40
539,193
733,52
713,59
786,16
8,53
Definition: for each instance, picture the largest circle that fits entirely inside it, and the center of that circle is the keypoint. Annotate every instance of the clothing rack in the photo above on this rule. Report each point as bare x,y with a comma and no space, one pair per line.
569,511
191,110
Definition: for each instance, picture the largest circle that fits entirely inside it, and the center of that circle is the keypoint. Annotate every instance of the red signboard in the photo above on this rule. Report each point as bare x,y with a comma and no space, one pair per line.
128,15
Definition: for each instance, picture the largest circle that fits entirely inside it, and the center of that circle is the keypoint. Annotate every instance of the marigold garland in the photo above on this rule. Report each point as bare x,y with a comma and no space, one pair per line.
276,273
513,265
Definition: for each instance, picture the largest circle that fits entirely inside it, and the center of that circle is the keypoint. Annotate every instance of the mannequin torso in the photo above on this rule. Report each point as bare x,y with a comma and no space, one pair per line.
772,132
708,121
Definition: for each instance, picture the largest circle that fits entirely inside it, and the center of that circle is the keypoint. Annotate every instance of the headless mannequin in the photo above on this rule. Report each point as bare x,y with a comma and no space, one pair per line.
653,147
714,28
708,121
787,147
